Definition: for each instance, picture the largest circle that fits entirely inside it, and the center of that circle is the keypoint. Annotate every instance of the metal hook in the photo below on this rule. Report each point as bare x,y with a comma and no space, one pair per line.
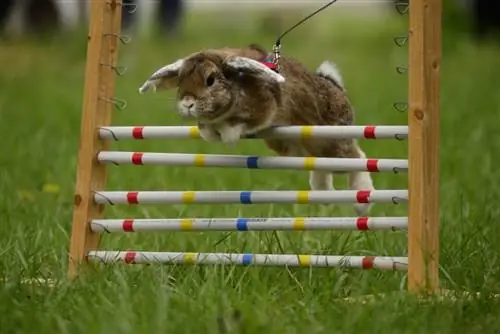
400,106
396,263
399,137
111,132
106,198
102,226
124,39
119,70
101,260
133,10
395,170
401,69
119,103
395,200
113,162
402,7
400,40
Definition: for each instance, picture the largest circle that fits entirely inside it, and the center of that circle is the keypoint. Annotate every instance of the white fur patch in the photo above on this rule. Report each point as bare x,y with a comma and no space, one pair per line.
231,134
320,180
360,181
209,134
330,70
156,77
187,107
244,62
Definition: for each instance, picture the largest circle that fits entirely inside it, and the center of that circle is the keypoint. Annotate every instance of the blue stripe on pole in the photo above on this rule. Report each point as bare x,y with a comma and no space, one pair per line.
247,259
246,197
252,162
242,224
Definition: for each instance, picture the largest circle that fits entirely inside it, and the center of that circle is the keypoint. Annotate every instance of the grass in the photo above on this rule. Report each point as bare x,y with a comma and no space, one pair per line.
40,105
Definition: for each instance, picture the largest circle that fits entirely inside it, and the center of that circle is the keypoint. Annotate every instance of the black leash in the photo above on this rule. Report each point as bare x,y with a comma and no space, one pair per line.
277,45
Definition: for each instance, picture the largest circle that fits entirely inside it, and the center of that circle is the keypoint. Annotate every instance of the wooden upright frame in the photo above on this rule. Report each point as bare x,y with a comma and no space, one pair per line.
423,140
423,145
99,90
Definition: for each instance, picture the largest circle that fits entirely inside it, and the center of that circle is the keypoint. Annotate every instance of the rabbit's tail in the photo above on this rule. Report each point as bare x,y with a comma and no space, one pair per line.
330,71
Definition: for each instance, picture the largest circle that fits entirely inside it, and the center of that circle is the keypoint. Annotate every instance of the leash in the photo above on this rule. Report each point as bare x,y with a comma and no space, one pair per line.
272,61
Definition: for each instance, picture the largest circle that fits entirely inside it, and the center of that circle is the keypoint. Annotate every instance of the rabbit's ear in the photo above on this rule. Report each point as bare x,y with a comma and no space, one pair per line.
164,78
252,66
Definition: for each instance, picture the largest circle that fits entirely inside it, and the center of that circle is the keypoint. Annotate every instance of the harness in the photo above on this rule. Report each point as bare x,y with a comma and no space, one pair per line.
269,61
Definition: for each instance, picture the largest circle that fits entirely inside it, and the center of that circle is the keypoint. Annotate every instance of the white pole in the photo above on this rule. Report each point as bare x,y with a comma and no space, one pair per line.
361,262
249,224
253,162
251,197
286,132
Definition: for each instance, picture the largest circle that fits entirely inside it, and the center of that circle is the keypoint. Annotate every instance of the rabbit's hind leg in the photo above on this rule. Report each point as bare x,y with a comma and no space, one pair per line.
321,180
358,180
318,180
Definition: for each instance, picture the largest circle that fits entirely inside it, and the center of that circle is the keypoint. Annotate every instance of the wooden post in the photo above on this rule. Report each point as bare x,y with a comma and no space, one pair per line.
99,89
423,141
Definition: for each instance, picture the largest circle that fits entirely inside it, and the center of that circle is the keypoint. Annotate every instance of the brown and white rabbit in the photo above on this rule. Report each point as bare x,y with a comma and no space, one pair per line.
232,93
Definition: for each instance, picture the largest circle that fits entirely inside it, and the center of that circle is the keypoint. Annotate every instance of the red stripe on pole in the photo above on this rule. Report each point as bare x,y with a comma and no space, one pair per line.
130,257
362,223
128,225
372,165
137,132
132,197
367,262
363,196
137,158
369,132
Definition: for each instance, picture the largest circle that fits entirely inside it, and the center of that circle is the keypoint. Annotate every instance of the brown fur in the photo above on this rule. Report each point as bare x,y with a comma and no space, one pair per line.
304,98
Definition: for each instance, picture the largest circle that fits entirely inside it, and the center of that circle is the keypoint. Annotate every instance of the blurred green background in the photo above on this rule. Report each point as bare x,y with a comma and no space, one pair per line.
41,85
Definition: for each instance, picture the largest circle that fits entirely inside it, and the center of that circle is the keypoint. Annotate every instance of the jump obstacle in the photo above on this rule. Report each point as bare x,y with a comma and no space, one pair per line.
422,166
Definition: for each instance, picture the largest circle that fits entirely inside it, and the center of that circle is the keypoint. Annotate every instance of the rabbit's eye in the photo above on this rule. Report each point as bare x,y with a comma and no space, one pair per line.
210,80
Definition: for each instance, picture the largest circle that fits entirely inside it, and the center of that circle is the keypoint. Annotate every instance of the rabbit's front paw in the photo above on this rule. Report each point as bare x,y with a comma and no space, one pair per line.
231,134
209,134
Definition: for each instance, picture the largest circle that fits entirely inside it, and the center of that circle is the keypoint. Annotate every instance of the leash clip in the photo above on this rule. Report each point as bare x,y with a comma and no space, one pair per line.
277,56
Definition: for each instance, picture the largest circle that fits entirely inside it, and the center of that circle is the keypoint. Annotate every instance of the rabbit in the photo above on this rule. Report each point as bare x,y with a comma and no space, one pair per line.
231,93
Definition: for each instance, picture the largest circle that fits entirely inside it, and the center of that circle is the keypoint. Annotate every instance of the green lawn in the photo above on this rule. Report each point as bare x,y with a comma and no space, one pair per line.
40,104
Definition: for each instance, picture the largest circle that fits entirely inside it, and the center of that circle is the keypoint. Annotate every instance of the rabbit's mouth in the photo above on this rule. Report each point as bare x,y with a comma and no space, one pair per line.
187,107
218,112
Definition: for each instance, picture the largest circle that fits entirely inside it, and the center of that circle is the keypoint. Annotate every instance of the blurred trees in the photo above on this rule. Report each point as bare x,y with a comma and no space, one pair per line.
168,14
486,14
479,18
34,16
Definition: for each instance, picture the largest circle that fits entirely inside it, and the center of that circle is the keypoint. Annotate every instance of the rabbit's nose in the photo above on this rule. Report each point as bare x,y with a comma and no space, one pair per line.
187,106
188,103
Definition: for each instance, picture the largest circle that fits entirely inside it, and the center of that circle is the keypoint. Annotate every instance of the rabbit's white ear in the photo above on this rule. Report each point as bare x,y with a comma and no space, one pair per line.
245,64
165,77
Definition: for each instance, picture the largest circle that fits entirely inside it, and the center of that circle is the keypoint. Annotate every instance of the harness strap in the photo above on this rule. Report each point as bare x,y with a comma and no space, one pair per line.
269,62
